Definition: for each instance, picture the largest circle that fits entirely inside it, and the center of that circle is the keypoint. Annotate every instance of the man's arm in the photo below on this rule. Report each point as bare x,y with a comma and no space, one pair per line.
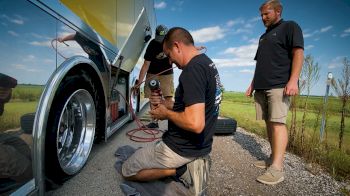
249,91
192,119
66,38
143,71
297,64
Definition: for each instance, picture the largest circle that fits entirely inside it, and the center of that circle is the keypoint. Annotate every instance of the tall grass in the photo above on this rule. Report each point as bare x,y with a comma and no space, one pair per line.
337,162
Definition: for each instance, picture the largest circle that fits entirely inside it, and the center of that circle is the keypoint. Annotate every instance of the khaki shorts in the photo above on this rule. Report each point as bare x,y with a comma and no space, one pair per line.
166,85
271,105
155,156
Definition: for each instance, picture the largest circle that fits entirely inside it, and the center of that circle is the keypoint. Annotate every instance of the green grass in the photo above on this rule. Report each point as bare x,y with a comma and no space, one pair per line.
24,92
13,111
24,100
241,108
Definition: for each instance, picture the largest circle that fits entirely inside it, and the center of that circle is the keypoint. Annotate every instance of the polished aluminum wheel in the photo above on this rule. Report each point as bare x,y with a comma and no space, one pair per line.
76,131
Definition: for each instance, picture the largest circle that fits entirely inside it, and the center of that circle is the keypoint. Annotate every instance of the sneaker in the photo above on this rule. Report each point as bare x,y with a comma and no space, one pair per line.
263,164
151,125
196,176
272,176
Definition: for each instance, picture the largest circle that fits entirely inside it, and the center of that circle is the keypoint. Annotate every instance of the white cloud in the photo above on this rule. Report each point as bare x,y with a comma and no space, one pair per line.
17,19
250,71
208,34
25,68
234,62
255,19
13,33
29,58
336,62
231,23
243,30
160,5
345,33
35,35
245,51
325,29
308,34
177,5
347,30
44,43
242,56
308,47
254,41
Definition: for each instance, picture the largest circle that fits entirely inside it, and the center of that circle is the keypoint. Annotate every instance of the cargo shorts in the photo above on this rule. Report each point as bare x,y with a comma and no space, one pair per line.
154,156
166,85
271,105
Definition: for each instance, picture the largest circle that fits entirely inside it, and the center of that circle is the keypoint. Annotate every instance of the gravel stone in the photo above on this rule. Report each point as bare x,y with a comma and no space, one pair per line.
232,171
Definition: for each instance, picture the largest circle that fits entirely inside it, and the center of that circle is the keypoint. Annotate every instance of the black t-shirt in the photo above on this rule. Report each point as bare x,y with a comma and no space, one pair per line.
274,55
159,61
199,82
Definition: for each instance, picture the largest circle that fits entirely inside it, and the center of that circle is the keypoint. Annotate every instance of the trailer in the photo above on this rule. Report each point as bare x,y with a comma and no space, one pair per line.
66,76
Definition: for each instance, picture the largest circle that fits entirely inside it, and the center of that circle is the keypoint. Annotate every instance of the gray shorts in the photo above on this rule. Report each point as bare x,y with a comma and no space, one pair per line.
155,156
166,84
271,105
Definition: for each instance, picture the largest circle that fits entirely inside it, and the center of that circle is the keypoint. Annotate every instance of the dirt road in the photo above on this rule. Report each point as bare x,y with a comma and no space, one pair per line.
231,173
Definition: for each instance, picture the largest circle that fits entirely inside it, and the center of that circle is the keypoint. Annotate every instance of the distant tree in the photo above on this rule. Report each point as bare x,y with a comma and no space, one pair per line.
310,75
342,88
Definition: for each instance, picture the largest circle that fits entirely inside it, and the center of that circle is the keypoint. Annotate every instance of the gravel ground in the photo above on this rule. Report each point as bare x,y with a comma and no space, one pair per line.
232,172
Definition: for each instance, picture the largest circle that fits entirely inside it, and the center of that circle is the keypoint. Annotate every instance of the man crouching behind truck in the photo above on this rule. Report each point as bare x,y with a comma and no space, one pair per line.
184,148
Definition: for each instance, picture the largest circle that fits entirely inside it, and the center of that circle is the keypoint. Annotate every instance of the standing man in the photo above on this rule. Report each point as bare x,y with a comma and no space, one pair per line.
279,60
191,119
155,62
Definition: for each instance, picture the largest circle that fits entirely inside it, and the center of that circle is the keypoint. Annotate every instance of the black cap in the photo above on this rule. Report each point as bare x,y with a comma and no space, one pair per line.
161,30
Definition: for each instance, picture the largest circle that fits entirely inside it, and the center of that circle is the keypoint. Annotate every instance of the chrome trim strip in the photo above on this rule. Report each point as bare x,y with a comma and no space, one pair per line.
43,110
25,189
117,125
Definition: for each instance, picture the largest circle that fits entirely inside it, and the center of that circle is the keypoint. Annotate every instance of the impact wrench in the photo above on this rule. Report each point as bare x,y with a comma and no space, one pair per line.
154,86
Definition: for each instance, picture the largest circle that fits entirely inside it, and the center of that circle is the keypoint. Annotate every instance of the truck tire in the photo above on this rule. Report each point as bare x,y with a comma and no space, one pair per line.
27,122
71,127
225,125
135,102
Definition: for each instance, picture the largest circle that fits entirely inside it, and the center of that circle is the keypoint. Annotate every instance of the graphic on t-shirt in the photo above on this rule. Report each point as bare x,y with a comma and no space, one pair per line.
218,91
161,56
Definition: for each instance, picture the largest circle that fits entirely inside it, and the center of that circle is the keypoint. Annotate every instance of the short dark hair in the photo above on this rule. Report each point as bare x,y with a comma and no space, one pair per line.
178,34
275,4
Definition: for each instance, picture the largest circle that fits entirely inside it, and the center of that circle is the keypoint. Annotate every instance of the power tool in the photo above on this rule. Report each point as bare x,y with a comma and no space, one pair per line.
154,86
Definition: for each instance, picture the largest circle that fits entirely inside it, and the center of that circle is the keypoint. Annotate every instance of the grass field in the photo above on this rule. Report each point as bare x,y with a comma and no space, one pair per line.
13,112
24,100
241,108
25,92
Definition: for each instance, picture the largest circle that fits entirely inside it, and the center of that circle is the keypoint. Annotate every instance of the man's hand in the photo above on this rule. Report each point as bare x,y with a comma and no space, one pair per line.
156,98
249,91
291,88
160,112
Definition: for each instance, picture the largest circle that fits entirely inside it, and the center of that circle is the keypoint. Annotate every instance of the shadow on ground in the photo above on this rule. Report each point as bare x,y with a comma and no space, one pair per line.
249,143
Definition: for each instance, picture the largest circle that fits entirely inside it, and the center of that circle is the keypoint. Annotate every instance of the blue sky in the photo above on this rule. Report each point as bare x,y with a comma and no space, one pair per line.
230,30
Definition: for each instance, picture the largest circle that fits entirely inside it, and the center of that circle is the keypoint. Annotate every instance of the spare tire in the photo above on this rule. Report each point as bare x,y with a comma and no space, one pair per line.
225,125
27,122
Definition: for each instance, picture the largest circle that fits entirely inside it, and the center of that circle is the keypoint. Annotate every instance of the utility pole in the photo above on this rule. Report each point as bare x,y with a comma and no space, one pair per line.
325,100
